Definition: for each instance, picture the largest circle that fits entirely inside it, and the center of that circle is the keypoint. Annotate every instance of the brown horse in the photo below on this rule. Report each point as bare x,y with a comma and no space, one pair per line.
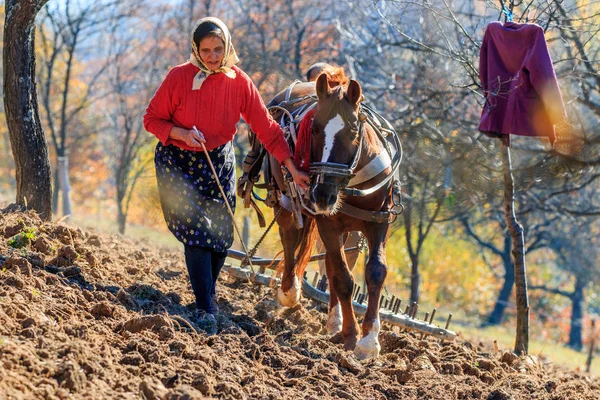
345,145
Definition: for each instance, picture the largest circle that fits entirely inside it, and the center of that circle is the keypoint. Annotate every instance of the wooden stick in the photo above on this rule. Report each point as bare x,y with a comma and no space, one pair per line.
518,253
216,176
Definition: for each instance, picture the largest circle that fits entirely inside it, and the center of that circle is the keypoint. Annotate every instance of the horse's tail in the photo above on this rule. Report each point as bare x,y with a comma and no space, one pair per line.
307,243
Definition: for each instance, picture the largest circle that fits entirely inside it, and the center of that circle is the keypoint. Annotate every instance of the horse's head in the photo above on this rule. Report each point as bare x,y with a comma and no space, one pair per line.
335,145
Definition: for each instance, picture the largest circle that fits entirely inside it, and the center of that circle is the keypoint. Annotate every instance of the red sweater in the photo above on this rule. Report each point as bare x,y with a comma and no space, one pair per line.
215,110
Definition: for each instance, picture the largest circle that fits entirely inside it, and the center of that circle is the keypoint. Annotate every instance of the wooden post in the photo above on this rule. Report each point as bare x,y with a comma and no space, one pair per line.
518,252
588,364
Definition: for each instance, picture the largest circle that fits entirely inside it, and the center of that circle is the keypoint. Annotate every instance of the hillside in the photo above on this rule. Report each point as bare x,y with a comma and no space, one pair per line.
90,316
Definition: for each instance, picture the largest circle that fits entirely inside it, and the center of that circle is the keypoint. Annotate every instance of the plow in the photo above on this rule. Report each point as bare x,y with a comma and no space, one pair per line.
316,289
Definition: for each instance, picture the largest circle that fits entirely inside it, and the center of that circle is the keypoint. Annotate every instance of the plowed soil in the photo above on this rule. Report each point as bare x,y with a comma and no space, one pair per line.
86,316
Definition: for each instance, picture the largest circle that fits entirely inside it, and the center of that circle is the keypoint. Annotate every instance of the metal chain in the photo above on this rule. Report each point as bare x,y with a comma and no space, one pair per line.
362,243
252,252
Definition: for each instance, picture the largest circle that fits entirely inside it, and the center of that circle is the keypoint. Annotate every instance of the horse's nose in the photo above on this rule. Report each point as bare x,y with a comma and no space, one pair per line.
323,197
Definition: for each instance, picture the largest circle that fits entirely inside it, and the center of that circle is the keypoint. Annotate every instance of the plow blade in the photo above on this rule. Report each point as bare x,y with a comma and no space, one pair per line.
401,320
397,319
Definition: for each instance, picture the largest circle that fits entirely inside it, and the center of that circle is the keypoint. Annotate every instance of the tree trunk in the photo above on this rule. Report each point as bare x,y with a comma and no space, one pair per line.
64,185
55,189
415,280
588,363
518,252
497,314
9,161
121,206
577,300
30,151
121,219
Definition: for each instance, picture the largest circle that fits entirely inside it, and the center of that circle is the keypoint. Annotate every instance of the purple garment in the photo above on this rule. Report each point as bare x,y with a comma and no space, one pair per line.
519,83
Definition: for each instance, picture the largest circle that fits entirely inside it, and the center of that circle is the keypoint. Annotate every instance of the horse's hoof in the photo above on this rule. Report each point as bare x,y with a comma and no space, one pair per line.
365,350
334,322
368,346
291,297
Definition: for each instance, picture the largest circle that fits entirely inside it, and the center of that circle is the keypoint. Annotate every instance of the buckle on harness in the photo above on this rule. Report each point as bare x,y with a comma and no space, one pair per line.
294,195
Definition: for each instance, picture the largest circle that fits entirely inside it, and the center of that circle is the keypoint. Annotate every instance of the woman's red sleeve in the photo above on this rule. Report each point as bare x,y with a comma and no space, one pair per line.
268,131
159,114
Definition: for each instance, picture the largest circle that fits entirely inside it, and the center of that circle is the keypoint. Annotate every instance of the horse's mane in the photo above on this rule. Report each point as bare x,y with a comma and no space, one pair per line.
336,76
372,139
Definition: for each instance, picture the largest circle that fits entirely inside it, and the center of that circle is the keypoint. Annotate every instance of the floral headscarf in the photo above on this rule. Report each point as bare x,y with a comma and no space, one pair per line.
229,60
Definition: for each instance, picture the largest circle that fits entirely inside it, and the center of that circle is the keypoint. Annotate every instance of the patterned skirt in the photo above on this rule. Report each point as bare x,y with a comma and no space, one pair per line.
192,204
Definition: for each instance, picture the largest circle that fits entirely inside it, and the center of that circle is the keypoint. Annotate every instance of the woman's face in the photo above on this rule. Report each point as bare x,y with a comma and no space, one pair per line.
212,51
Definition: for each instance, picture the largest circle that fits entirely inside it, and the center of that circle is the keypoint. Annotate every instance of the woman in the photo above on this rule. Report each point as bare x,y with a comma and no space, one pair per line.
208,93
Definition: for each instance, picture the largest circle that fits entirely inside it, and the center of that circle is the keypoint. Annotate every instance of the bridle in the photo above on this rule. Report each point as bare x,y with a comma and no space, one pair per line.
319,171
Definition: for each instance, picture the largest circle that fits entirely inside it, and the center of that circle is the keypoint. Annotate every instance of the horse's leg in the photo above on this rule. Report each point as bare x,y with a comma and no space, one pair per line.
375,272
352,240
289,292
335,319
341,284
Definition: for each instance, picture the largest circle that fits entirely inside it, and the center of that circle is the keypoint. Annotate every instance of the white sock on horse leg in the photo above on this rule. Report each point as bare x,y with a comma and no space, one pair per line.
368,346
334,322
292,296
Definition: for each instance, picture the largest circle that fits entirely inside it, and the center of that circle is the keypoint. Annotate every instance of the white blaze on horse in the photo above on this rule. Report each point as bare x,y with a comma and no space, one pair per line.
353,184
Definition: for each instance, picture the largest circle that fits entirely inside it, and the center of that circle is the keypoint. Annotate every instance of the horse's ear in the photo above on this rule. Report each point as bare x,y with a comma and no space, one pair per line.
322,87
354,92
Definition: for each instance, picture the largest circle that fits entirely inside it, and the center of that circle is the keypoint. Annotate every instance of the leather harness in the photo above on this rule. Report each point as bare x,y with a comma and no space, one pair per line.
319,170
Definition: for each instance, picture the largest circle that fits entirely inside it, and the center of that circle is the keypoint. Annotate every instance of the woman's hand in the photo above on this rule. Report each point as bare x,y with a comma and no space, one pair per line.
300,178
192,138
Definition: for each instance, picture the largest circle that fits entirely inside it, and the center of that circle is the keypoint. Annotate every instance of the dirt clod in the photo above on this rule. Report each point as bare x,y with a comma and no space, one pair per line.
88,316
